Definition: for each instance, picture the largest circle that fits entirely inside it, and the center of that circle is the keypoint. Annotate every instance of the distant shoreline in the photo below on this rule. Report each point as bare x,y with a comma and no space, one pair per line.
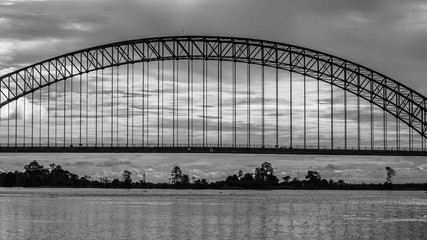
262,178
422,188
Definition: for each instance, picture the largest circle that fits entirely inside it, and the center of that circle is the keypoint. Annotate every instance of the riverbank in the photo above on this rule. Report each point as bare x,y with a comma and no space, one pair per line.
262,178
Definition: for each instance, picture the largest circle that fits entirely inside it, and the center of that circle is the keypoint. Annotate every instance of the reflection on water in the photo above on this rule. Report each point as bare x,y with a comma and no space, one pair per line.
209,214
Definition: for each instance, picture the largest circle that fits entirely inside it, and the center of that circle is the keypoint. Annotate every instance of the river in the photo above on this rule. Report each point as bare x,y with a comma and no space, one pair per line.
211,214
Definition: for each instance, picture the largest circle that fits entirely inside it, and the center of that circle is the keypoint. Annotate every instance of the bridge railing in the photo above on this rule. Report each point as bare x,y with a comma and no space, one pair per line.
230,146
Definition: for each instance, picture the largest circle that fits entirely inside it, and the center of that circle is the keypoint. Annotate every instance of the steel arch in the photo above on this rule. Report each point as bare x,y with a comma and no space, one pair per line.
390,95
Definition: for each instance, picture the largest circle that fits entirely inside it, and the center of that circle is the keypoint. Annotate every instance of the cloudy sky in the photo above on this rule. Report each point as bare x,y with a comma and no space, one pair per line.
386,35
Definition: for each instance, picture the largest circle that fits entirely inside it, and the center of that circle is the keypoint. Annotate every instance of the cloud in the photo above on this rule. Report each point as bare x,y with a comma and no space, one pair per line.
209,175
386,35
6,3
22,108
332,167
79,164
113,163
157,175
61,26
422,167
6,70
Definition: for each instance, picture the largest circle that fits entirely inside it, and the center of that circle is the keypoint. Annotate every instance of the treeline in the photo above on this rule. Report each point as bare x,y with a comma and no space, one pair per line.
36,175
263,177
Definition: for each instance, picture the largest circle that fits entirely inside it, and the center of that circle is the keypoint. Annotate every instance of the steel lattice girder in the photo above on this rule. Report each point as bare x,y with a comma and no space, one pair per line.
399,100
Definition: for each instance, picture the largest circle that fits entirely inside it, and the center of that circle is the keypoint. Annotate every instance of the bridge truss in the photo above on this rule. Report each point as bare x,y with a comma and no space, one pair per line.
204,92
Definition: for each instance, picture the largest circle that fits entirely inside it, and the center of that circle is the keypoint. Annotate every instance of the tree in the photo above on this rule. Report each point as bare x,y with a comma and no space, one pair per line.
127,178
143,176
35,168
52,166
264,172
9,180
240,173
232,179
204,182
83,182
264,175
185,179
115,183
313,177
104,180
60,177
37,174
286,179
248,178
324,182
176,175
390,173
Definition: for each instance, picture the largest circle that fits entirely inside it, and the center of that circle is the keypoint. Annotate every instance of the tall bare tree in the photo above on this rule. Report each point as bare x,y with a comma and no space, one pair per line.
390,173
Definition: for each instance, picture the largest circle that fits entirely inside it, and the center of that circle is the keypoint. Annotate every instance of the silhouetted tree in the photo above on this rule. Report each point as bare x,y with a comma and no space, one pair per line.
390,173
34,168
296,183
37,174
199,183
176,175
286,179
264,175
9,180
83,182
185,179
240,174
204,182
247,181
232,179
60,177
104,180
143,176
324,182
116,183
52,166
248,178
313,177
127,180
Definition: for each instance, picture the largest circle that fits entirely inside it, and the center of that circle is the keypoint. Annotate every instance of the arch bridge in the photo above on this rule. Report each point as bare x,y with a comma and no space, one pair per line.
208,94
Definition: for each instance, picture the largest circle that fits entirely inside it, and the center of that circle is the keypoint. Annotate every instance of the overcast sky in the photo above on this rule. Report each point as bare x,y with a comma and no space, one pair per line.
386,35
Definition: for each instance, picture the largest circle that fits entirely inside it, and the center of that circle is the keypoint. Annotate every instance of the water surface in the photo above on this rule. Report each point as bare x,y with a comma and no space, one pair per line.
211,214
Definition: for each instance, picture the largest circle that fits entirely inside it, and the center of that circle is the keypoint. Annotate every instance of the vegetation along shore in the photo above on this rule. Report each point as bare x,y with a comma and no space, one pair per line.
263,177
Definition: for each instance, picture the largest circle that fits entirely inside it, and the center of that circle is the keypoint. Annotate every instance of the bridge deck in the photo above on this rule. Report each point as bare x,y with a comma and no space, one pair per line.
241,150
